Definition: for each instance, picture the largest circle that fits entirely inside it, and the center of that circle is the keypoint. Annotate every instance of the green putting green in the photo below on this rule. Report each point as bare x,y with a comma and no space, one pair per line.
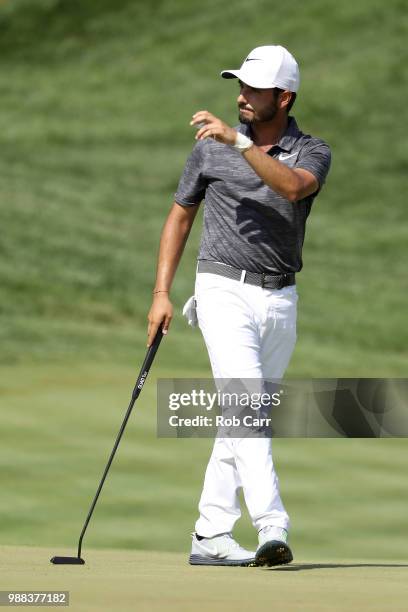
149,581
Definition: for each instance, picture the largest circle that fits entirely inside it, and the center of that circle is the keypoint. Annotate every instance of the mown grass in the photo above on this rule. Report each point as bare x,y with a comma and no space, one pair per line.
95,104
345,497
154,581
94,133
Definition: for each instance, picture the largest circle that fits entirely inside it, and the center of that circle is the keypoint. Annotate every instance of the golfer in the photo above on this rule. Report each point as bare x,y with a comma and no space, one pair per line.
259,181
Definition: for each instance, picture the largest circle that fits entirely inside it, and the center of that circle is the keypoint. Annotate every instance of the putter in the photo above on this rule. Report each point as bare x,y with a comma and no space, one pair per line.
151,352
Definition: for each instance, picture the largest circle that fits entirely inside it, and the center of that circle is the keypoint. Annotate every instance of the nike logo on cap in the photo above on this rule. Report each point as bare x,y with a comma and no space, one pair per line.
253,59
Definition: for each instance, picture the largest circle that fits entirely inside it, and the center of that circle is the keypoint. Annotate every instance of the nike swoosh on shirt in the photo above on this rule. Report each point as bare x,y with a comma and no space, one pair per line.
282,157
253,59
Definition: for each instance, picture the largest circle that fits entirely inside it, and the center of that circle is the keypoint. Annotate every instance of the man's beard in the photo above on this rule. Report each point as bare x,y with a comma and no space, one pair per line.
263,117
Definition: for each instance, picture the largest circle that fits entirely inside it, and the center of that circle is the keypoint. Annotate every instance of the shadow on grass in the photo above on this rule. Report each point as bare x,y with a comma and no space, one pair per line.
298,567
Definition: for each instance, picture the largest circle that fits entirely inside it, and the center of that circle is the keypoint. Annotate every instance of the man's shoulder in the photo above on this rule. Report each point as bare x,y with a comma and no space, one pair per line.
311,148
313,141
198,153
313,154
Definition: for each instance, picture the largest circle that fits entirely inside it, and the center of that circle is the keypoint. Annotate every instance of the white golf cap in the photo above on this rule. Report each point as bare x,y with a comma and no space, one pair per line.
267,67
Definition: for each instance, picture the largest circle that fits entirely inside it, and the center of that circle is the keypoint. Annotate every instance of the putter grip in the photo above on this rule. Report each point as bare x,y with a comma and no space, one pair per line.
151,352
153,348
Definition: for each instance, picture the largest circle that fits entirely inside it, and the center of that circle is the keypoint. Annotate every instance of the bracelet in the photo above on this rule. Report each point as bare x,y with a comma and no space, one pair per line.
242,143
160,291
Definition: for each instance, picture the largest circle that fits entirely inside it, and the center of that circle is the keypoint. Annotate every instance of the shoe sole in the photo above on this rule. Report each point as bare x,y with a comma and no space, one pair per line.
273,553
200,560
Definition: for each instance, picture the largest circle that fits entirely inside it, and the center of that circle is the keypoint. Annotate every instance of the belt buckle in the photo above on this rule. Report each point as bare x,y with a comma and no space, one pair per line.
280,282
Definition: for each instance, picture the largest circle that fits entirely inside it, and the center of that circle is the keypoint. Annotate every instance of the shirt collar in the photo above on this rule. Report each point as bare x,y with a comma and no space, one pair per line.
290,136
288,139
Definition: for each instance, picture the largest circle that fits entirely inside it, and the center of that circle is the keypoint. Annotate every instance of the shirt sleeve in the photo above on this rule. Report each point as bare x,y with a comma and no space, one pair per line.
316,158
192,184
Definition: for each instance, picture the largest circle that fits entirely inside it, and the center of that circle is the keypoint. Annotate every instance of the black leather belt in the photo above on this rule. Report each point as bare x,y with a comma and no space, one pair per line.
266,281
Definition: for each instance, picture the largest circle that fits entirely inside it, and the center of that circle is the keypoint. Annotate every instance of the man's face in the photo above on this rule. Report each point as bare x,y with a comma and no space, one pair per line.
256,105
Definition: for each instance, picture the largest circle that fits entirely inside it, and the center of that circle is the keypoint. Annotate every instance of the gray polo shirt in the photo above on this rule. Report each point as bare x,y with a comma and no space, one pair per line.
246,223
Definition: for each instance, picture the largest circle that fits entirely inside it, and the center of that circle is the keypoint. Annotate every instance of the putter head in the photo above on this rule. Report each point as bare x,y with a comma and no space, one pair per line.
67,561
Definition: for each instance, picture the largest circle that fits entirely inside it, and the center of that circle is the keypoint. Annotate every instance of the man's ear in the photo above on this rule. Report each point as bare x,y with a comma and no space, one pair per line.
285,98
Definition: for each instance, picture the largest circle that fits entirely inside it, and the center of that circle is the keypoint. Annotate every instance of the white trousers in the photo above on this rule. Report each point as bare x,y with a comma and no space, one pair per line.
249,332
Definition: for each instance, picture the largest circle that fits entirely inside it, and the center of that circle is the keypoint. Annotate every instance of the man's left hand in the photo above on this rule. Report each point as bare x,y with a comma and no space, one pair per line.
213,128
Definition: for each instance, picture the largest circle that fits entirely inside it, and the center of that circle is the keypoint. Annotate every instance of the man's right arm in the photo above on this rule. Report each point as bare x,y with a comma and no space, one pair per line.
173,239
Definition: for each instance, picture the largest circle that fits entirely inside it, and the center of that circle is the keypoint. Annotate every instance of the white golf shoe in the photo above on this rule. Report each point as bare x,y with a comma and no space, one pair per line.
220,550
273,548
